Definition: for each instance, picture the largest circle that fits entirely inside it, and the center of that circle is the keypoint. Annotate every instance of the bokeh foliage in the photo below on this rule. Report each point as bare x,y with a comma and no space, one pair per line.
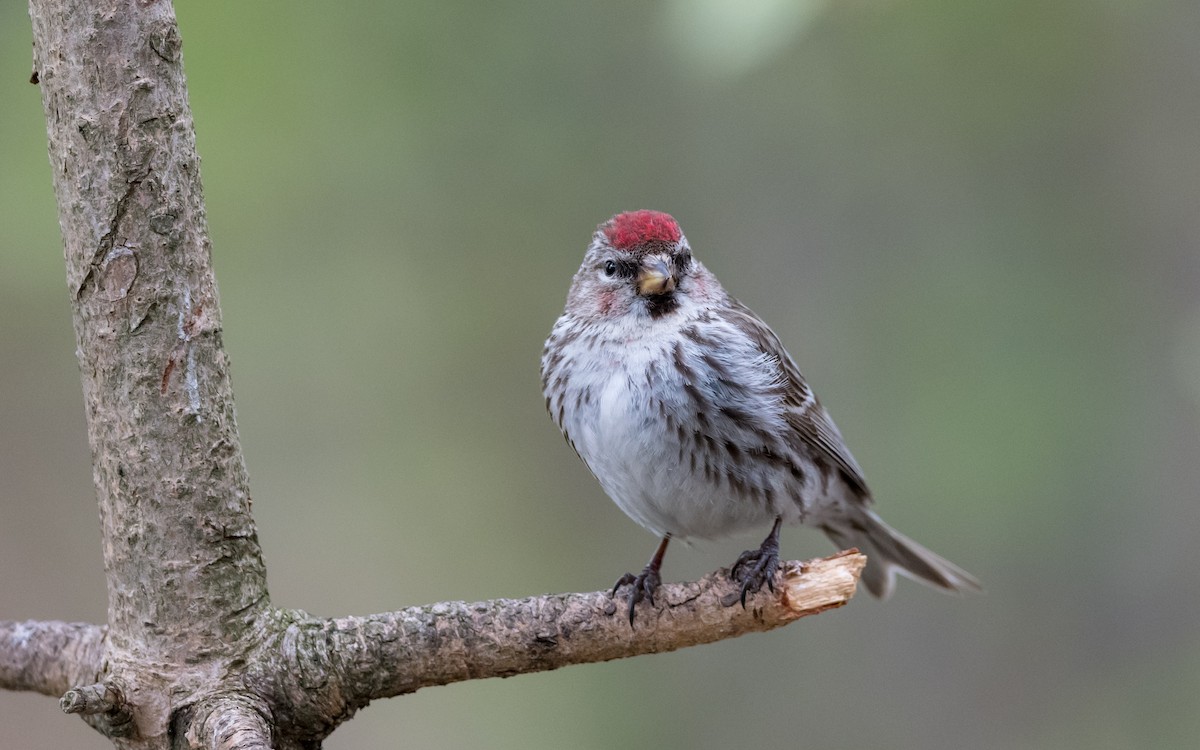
974,223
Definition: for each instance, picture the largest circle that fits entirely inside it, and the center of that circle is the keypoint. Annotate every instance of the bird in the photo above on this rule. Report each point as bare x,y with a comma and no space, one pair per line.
696,421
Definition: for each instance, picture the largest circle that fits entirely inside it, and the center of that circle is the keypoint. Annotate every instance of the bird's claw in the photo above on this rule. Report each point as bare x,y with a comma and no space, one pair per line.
755,567
644,586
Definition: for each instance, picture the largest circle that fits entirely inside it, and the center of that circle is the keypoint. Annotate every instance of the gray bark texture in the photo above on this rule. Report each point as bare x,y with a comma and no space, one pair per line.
193,655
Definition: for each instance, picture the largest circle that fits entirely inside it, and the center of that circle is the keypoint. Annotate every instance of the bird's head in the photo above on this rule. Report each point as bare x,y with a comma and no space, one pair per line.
638,263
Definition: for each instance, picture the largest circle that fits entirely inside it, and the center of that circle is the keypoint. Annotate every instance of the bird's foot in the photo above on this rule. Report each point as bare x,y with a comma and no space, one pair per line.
644,586
754,567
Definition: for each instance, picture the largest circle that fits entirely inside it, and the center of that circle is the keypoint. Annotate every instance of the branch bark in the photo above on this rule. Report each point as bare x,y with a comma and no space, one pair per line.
317,672
306,675
455,641
193,655
227,722
49,657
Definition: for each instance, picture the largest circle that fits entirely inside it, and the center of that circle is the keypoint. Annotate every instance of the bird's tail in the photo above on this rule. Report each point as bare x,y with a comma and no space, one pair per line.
888,552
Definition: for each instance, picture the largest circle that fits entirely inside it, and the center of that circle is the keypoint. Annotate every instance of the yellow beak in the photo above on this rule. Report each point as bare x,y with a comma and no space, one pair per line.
655,277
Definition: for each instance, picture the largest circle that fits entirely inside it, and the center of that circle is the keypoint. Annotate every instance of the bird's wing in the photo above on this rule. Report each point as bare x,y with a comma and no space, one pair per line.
808,419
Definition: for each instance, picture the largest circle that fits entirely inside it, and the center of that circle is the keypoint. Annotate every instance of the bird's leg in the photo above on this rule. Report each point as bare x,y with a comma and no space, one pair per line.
755,567
644,584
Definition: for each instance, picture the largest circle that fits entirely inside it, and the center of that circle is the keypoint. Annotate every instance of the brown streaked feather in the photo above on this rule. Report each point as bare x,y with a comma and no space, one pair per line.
811,423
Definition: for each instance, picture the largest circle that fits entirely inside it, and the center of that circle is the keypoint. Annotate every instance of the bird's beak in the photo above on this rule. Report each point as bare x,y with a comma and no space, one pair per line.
655,277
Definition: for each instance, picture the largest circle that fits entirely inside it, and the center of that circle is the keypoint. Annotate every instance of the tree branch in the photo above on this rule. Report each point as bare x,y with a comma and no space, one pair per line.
231,721
49,657
314,673
455,641
100,698
332,667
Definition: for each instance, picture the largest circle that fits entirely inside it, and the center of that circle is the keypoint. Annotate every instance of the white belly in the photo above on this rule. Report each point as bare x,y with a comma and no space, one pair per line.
634,451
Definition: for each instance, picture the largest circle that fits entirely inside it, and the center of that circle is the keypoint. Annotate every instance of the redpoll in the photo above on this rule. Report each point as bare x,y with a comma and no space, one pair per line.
697,422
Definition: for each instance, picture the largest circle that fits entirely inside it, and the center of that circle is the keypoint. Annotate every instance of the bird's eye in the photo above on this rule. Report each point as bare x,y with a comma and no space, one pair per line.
610,268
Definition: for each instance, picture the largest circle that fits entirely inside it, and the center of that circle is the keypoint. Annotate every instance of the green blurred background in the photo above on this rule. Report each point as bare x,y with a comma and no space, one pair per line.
974,224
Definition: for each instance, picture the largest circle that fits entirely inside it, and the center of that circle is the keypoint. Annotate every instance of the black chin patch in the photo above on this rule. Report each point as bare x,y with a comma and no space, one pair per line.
659,305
